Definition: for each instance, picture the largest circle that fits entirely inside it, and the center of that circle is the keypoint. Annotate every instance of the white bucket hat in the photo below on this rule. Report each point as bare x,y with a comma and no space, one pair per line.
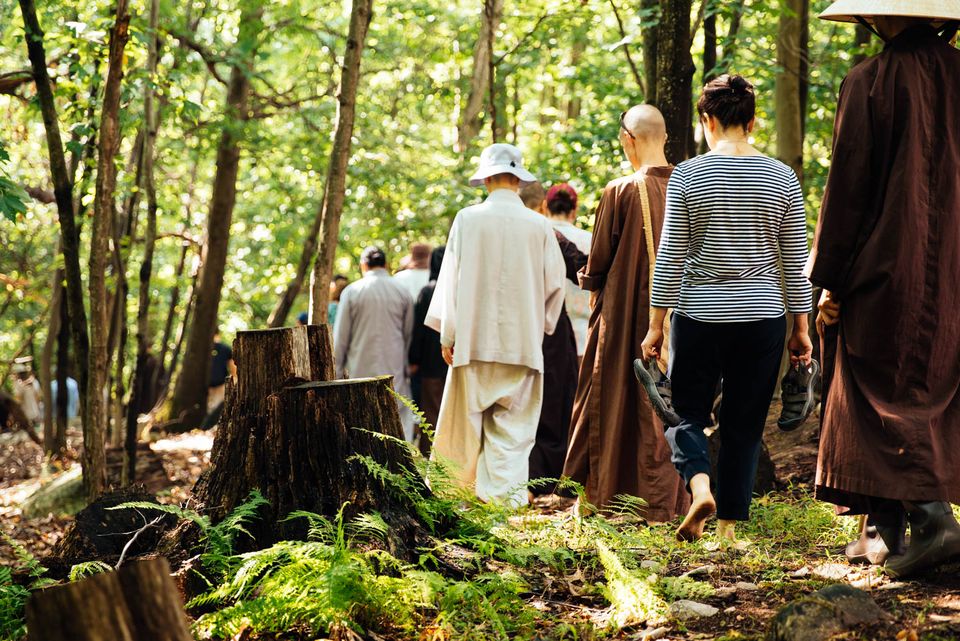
501,158
935,10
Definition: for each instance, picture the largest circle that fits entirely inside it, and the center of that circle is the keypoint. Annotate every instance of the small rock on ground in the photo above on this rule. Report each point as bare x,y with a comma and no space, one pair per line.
653,566
824,614
831,571
703,570
746,586
685,609
653,635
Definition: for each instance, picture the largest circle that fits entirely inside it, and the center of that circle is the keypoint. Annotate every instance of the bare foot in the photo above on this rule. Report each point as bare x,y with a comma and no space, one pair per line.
692,527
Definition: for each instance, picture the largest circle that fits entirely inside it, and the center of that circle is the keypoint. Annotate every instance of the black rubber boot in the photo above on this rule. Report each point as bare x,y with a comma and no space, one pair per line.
881,536
934,539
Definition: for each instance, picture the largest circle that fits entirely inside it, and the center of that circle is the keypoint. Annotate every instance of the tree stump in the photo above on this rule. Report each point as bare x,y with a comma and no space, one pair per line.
292,434
140,602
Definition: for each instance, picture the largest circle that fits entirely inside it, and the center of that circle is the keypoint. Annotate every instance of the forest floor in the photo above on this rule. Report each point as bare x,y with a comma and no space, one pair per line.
601,578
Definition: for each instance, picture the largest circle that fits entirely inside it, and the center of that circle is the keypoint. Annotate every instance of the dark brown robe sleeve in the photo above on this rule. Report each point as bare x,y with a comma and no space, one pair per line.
603,248
850,197
573,258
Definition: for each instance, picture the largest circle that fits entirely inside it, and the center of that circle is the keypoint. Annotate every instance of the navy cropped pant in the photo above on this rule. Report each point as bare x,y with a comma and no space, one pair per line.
746,357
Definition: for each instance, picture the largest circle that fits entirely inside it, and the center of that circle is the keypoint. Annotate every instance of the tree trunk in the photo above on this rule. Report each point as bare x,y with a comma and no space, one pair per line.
46,367
709,51
295,436
730,41
139,602
335,187
650,10
63,192
95,423
479,82
675,77
140,373
789,115
190,396
626,49
63,367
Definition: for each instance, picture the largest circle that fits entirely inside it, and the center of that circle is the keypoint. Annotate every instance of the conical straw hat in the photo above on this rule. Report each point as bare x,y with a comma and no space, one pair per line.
935,10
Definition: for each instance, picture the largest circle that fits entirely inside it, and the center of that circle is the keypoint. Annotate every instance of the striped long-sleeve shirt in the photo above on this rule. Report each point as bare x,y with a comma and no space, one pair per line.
734,241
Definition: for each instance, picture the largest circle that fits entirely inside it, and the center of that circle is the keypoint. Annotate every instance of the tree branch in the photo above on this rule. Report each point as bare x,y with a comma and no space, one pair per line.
626,49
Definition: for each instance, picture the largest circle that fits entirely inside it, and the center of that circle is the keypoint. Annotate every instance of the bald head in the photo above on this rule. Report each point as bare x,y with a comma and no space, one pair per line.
646,123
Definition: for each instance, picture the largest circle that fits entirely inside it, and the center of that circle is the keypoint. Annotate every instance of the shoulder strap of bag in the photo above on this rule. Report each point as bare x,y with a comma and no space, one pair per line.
652,259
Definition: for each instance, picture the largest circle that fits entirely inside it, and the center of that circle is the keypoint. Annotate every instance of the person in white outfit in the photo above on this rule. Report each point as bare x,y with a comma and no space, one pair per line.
500,289
371,335
561,202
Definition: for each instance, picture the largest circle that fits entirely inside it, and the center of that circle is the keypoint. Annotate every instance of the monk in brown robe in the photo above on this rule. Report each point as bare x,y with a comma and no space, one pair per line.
887,252
617,445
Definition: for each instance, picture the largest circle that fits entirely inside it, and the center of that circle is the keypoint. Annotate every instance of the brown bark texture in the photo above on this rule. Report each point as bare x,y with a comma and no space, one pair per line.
788,96
335,187
293,435
63,193
491,13
650,10
95,423
190,395
46,366
141,370
675,77
139,602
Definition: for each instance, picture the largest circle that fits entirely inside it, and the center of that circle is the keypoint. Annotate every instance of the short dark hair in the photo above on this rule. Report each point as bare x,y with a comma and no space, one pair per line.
373,257
729,99
338,277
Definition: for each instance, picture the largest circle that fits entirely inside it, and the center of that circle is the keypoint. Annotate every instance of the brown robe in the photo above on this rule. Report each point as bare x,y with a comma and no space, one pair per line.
617,445
888,243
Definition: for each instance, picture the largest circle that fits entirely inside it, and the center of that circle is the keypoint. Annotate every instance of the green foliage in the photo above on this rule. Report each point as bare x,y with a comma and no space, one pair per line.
14,594
83,570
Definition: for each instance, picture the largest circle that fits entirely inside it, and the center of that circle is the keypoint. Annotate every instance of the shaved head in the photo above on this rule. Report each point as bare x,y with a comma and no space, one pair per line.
646,123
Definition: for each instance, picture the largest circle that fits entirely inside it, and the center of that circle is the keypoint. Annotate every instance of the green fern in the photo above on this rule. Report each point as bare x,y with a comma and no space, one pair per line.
83,570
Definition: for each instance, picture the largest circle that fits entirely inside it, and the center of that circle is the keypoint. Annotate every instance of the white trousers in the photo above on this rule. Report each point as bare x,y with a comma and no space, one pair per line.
487,427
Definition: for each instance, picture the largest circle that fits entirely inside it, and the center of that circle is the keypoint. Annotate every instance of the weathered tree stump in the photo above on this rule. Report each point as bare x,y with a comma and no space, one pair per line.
295,436
100,533
139,602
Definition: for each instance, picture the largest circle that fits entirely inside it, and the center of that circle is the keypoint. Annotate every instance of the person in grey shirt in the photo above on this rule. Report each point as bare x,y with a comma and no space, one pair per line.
371,335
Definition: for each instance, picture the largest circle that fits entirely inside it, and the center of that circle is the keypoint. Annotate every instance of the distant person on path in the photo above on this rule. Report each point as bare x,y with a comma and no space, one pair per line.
500,289
416,274
426,359
887,254
559,368
562,207
337,285
617,445
733,235
73,397
371,336
221,367
26,390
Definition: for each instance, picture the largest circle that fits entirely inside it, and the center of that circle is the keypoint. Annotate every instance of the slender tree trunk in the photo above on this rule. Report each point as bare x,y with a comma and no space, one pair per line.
151,123
651,12
95,425
675,77
709,51
63,368
804,65
332,205
172,309
479,82
626,49
788,109
46,367
733,30
574,103
190,394
62,190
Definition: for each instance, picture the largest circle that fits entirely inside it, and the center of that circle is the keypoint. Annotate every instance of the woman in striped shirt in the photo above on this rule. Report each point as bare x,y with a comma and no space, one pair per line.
731,266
